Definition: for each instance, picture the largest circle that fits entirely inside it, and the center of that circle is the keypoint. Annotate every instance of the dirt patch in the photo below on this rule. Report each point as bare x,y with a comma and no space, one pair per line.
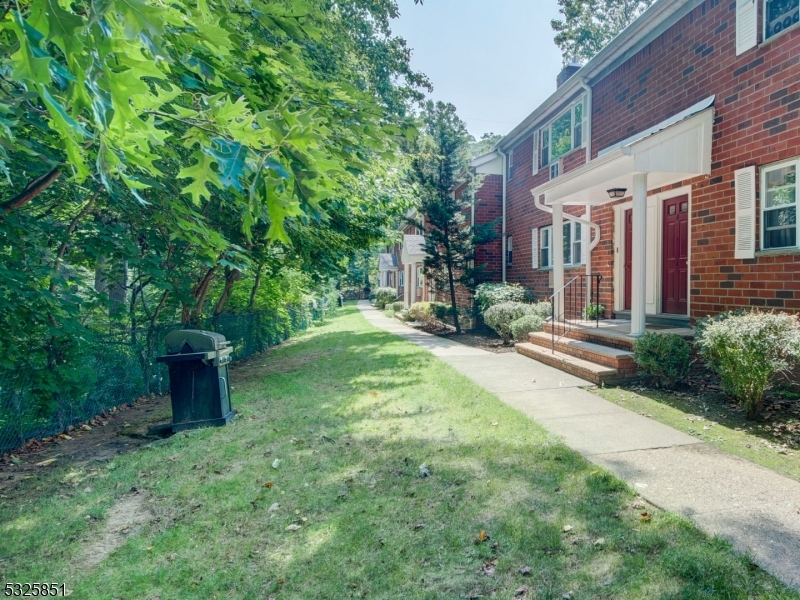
126,518
99,440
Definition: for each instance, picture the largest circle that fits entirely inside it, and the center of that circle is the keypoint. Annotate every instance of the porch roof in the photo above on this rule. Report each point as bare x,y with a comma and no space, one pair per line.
413,249
387,262
677,149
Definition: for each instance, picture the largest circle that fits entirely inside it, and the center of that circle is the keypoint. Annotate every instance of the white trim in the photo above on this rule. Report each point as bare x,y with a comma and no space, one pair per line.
763,170
549,127
763,28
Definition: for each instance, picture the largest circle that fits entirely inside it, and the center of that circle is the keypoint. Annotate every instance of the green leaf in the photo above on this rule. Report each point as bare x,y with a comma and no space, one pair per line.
201,173
231,158
31,62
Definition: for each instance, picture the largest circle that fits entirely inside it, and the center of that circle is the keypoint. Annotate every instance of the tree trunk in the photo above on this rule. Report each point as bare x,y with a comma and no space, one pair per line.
231,277
201,292
256,285
33,189
62,250
451,279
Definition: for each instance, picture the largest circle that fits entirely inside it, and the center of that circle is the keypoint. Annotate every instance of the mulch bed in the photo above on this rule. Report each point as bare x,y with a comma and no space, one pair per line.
484,339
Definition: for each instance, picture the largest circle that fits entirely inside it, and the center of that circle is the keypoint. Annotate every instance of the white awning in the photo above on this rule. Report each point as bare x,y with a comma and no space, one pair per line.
668,153
413,249
488,164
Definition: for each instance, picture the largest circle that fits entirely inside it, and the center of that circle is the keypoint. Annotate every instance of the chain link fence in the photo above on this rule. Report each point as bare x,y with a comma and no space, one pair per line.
116,368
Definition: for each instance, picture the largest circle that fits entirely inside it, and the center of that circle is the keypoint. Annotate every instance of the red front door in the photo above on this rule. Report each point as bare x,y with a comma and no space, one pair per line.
628,257
675,273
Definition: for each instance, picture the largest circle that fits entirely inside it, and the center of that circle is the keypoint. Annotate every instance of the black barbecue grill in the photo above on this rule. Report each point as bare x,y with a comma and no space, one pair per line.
198,378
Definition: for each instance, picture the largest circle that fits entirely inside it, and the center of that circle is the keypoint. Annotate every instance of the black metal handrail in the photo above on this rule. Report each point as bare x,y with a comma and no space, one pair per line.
574,296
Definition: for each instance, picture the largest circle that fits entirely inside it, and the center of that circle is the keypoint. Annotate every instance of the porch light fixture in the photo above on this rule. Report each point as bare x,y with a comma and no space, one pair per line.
616,193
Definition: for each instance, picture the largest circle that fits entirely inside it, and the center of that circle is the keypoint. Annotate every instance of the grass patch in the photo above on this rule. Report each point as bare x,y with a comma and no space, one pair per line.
351,413
717,422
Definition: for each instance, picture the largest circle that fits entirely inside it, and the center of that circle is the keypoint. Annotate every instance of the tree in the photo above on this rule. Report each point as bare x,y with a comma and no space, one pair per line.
589,25
178,153
438,170
484,145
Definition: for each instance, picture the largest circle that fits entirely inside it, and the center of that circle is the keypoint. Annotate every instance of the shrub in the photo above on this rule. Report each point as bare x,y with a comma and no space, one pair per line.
594,311
441,310
398,306
500,317
543,310
490,294
664,358
421,311
748,350
384,296
524,325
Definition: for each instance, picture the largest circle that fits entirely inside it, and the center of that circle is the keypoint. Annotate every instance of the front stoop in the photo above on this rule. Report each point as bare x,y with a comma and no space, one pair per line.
593,372
600,336
614,358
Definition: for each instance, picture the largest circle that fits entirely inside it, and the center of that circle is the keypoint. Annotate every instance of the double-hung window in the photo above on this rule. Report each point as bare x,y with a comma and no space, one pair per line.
779,15
573,245
779,205
546,233
510,250
562,135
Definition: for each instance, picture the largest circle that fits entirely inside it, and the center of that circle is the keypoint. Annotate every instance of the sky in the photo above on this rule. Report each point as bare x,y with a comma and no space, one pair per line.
495,60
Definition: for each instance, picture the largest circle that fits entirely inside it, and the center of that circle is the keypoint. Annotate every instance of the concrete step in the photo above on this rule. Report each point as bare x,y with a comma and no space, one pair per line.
597,374
622,360
600,336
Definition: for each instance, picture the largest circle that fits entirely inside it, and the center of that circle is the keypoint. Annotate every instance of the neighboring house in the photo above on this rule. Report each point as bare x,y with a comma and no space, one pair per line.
401,266
667,164
387,267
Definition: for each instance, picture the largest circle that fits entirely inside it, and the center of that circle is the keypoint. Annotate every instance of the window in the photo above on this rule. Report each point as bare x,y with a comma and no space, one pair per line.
546,233
563,135
573,245
510,164
779,205
509,250
419,277
780,15
402,278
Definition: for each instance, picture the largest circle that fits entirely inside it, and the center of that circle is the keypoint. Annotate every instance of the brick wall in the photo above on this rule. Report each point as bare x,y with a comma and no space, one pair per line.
757,109
523,216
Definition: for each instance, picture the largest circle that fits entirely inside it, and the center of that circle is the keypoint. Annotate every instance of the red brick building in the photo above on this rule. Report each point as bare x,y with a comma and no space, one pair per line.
668,163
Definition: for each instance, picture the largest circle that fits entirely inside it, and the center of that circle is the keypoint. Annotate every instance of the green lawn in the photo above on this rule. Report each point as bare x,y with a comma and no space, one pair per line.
714,420
352,413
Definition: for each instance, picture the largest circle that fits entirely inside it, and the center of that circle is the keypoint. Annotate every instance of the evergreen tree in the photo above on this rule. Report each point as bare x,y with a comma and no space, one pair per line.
438,169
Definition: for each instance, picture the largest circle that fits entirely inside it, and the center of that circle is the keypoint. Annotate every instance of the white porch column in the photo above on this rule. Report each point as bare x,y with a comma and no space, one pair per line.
558,255
638,270
588,254
413,282
406,286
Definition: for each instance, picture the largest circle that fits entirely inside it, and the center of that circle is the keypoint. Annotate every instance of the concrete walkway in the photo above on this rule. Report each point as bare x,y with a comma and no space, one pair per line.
757,510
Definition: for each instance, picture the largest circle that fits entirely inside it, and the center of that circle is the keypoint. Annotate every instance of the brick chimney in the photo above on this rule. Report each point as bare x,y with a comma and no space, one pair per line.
566,73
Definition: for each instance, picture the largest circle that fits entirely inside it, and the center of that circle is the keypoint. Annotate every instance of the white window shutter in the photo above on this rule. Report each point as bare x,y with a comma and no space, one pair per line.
746,25
584,242
535,152
745,213
535,248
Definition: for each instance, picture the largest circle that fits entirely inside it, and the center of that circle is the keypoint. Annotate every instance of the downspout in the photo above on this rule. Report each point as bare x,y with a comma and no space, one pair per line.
588,118
505,176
